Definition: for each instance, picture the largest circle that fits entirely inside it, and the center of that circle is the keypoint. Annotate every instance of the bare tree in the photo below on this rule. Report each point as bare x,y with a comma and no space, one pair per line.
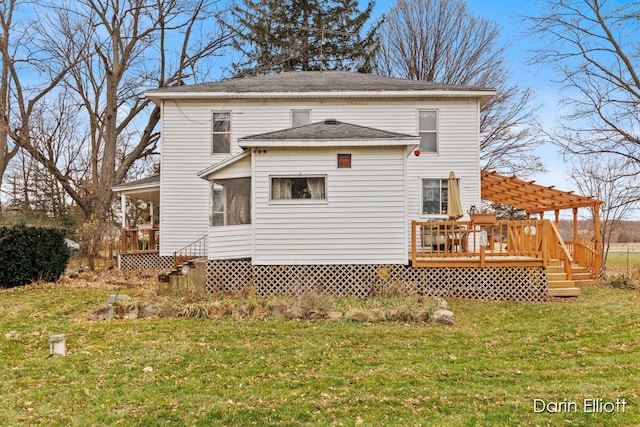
24,82
442,41
125,47
593,46
613,183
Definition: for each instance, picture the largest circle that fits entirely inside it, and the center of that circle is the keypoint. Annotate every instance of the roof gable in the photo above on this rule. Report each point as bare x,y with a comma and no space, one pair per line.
328,129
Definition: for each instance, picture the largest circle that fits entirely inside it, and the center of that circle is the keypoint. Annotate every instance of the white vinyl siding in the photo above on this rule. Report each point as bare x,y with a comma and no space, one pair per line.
186,149
230,242
361,221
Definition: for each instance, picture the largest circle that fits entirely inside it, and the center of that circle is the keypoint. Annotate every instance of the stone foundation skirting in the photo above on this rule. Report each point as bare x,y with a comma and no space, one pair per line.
144,260
490,283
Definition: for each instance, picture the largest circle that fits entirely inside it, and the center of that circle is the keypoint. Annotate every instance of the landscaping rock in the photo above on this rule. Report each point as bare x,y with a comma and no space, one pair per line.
401,315
123,299
334,316
147,310
441,304
130,312
104,313
294,313
316,314
356,314
377,314
444,317
423,316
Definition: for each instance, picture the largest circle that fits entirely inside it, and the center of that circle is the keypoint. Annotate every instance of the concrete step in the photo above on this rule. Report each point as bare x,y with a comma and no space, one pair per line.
565,292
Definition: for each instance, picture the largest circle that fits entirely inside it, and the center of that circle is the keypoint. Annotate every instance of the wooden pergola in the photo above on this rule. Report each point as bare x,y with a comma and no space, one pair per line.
538,199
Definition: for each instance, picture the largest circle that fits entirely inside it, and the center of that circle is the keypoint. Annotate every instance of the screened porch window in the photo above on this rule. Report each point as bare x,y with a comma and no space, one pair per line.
293,188
434,196
230,202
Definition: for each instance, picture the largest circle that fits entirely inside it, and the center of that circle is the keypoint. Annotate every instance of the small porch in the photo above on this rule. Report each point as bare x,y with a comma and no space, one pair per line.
515,243
140,230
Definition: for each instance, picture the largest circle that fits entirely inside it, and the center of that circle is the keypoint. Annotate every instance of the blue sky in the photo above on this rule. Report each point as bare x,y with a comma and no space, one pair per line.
508,13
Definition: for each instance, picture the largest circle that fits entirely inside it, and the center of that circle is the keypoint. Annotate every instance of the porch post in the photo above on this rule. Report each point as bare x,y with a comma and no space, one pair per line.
151,212
123,208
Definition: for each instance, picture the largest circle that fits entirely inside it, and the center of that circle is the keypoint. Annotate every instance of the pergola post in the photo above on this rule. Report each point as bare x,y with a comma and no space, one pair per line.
557,212
575,225
598,240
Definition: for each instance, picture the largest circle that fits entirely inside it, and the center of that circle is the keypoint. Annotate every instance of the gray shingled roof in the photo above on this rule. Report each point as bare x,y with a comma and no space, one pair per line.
328,130
149,181
312,81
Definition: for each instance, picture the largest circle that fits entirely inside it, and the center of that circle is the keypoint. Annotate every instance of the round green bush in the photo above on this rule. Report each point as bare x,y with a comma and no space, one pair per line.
29,254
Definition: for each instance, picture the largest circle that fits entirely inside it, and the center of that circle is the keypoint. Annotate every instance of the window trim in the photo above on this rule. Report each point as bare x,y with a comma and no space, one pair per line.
442,180
299,110
298,201
221,188
213,132
436,131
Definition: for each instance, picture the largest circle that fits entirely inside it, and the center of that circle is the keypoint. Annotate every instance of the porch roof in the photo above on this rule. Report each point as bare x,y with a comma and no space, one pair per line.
142,189
527,195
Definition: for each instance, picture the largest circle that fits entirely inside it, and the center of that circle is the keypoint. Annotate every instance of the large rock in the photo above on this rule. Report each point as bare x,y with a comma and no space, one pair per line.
357,315
130,312
377,314
334,316
443,317
441,304
103,313
423,316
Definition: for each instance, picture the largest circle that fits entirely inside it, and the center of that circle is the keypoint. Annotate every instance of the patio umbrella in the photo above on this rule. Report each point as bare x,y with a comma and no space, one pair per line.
454,206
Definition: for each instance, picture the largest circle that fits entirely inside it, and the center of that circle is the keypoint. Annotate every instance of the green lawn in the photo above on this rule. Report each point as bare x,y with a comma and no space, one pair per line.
486,371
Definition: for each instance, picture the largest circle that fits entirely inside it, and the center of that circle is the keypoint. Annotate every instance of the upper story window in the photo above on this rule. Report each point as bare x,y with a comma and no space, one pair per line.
300,117
221,132
293,188
428,130
435,196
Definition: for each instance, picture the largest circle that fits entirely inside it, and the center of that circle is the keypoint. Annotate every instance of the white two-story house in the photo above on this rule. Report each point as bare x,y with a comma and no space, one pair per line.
316,176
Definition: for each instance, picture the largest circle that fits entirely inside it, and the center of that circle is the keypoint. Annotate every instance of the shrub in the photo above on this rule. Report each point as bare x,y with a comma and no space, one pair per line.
622,282
28,254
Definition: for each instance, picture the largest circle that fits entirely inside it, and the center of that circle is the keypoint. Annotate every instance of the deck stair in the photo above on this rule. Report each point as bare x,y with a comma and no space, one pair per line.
560,286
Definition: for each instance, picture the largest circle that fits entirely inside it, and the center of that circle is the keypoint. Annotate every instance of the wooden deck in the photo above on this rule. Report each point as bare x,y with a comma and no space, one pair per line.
527,243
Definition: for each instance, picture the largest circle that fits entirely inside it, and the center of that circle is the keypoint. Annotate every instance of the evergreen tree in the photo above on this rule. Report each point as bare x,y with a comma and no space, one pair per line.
307,35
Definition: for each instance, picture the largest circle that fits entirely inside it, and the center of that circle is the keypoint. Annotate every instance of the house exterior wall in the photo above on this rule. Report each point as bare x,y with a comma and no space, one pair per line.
361,221
230,242
186,132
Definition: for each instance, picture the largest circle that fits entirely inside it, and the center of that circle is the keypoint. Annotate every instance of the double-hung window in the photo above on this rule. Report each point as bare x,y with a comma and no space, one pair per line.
221,142
428,130
298,188
435,196
300,117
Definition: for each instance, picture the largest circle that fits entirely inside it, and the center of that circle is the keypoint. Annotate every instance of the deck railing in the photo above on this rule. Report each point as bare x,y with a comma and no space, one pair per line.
559,250
141,238
463,241
585,254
